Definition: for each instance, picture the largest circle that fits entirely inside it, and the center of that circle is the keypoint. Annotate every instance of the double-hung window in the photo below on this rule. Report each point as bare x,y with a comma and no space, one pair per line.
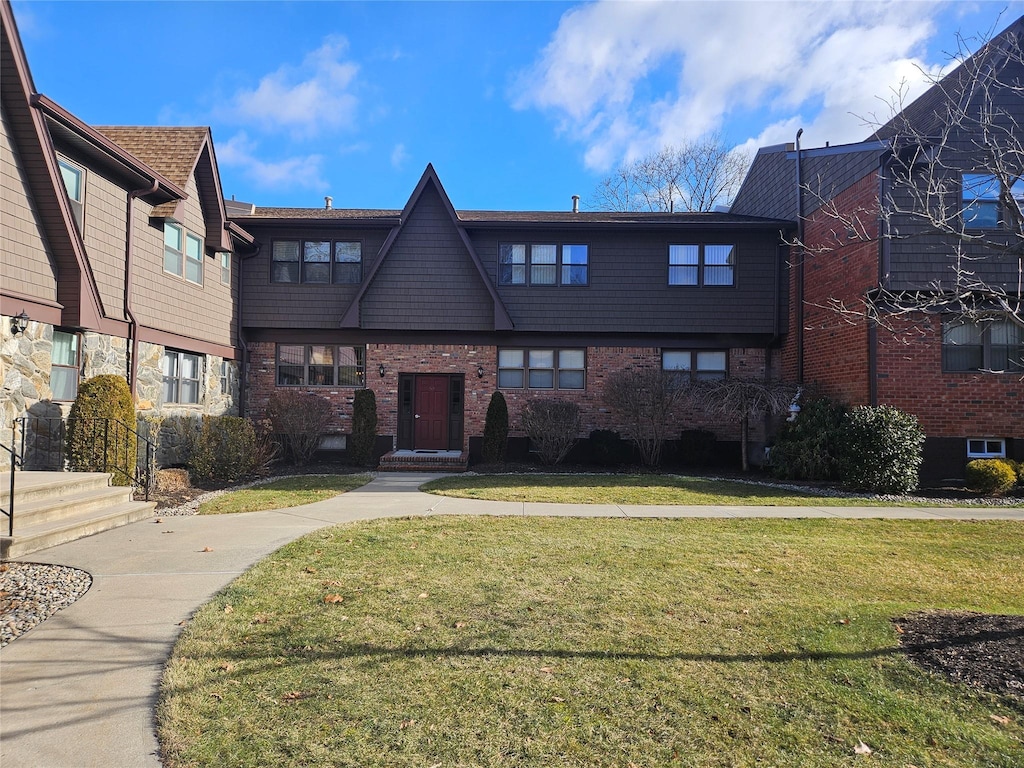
543,264
317,262
183,253
193,259
982,201
991,345
541,369
182,372
320,365
225,267
64,366
695,364
73,177
707,264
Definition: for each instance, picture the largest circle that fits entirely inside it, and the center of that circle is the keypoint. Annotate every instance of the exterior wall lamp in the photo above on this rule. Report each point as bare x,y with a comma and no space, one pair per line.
19,323
381,370
480,372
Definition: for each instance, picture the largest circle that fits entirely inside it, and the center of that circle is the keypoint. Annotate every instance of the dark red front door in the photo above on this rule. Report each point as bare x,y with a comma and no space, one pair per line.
431,404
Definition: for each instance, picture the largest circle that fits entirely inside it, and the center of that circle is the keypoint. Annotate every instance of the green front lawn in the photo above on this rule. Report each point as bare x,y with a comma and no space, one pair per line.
283,493
452,641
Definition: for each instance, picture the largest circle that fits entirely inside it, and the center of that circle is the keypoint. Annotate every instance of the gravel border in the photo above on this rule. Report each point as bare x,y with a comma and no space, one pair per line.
32,592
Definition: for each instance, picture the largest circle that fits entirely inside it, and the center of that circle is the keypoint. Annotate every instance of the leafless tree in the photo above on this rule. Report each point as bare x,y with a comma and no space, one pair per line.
646,398
743,399
954,185
694,176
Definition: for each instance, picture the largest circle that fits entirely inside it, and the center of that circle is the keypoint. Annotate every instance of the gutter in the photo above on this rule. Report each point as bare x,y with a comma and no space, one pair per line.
243,364
133,324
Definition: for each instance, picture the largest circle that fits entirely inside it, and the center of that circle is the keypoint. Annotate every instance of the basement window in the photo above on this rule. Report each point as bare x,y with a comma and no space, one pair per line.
986,448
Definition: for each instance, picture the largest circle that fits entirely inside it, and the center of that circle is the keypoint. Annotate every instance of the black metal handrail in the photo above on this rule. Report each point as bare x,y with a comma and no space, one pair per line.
107,444
15,463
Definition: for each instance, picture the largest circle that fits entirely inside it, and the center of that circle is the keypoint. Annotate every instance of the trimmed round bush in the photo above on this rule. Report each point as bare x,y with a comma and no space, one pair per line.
990,475
880,449
101,416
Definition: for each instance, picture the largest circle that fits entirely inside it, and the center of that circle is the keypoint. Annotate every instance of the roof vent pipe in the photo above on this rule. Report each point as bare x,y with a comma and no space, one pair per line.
575,203
327,202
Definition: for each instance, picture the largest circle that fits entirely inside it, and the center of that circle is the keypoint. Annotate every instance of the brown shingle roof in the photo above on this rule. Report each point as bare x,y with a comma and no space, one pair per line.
170,150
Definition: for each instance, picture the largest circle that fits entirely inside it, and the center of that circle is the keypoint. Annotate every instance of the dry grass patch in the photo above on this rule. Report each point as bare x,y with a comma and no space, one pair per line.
283,493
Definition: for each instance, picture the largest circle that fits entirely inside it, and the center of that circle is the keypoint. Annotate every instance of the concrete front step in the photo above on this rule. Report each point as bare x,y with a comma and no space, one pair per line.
32,538
52,508
424,461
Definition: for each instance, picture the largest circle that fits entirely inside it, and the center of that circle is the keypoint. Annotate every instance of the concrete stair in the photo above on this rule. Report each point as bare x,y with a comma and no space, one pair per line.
52,508
424,461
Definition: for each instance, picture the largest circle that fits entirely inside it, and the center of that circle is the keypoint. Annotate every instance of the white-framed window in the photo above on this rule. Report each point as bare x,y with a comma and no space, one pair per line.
989,345
320,365
542,368
986,448
982,200
64,366
224,257
544,264
225,377
182,373
317,261
711,264
73,177
193,259
696,364
174,248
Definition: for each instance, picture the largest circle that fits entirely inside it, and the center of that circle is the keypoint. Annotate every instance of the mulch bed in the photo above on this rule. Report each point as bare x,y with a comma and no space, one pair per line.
978,649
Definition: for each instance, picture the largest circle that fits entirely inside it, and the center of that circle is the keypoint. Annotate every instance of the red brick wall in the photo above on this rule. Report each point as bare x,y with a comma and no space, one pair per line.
465,359
840,264
962,405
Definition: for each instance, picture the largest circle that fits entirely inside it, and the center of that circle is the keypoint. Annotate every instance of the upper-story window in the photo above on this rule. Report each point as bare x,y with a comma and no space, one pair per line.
183,253
225,267
73,177
316,261
543,264
981,203
696,364
701,264
991,345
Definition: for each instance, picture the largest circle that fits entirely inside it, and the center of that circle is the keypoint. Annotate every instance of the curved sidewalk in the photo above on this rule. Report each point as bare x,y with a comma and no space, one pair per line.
80,689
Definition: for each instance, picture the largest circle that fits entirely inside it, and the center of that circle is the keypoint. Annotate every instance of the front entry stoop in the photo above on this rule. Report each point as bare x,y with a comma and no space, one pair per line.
424,461
52,508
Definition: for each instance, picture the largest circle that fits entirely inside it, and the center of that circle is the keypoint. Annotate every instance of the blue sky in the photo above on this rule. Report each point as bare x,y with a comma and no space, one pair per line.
518,105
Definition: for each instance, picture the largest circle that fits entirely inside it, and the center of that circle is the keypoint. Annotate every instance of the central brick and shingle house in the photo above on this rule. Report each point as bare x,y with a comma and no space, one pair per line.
435,309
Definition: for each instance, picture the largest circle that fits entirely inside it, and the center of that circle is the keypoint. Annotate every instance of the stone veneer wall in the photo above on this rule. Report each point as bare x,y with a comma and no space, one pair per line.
25,378
466,359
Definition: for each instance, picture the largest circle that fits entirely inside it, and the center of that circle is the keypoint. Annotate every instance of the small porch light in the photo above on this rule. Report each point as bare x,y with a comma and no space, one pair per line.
480,372
19,323
381,370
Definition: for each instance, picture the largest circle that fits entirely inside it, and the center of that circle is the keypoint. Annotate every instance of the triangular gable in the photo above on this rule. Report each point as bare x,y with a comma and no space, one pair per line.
179,153
429,180
76,288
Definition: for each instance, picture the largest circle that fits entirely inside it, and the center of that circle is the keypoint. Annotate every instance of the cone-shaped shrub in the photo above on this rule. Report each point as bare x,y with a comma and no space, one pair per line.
496,430
98,436
364,427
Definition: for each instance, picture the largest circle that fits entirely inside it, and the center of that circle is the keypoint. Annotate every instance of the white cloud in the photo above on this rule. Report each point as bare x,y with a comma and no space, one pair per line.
398,156
305,172
778,64
305,99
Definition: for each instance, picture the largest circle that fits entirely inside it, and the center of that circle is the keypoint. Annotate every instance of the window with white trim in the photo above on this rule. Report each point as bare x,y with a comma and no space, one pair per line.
712,264
64,366
193,259
696,364
173,248
182,373
225,267
73,177
320,365
986,448
544,264
542,368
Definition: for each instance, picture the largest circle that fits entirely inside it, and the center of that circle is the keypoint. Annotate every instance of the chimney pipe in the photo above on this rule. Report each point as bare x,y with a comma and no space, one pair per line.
575,203
327,202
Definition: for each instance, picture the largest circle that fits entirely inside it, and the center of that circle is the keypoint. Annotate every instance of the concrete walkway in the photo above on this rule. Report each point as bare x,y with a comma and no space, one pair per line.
80,689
